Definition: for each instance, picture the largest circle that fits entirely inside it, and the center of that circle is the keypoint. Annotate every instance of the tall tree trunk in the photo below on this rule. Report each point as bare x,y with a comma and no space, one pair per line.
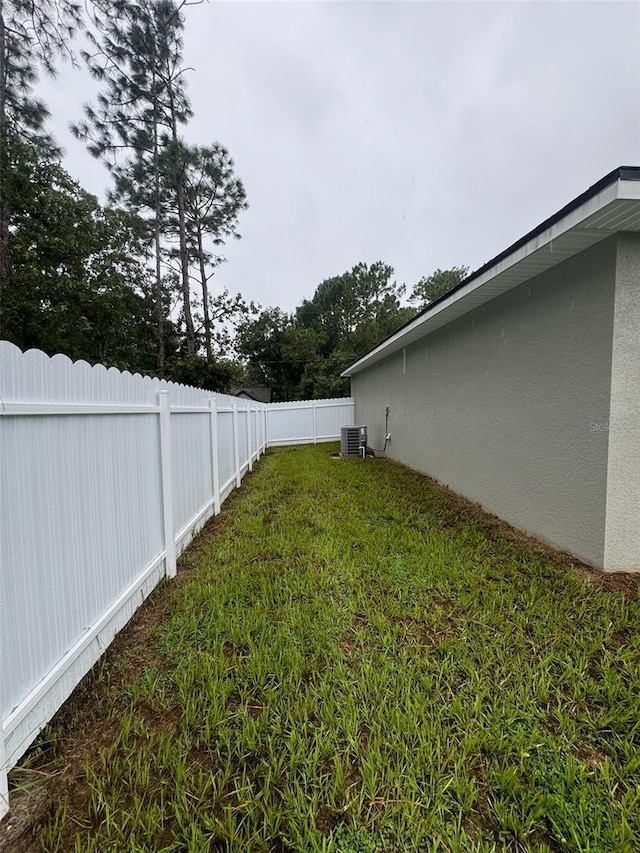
156,240
5,256
182,232
184,265
205,297
159,305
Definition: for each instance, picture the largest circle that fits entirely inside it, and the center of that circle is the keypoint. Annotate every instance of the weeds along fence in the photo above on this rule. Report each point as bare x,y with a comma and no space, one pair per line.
105,478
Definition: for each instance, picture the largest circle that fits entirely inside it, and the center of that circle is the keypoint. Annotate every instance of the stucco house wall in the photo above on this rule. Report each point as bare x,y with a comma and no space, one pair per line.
622,534
504,404
520,387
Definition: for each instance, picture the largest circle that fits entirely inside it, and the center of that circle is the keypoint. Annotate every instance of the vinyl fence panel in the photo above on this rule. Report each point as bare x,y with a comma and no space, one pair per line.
104,479
308,421
191,468
225,450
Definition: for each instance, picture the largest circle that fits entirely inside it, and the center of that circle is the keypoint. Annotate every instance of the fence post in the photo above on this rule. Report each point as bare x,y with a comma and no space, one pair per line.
167,487
256,432
236,444
266,427
249,453
264,430
259,420
4,776
4,769
315,431
215,462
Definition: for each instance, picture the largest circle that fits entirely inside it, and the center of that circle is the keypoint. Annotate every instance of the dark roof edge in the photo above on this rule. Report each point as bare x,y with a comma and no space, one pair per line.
622,173
258,395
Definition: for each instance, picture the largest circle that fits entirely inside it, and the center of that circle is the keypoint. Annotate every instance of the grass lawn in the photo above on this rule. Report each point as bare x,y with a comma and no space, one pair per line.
351,660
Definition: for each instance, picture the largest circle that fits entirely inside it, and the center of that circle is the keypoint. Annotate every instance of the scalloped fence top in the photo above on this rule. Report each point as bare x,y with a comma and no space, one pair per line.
34,377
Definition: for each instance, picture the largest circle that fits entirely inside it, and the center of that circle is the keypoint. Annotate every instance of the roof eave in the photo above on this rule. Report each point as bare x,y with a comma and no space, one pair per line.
541,249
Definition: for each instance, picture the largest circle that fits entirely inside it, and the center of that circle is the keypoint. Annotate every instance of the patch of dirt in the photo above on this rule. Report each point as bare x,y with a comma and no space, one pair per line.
364,733
539,838
627,583
353,776
164,721
253,710
325,820
592,758
620,639
277,846
348,647
20,828
473,827
352,639
415,629
233,650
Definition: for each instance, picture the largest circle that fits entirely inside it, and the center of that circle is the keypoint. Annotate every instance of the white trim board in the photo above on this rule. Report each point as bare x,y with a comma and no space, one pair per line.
615,208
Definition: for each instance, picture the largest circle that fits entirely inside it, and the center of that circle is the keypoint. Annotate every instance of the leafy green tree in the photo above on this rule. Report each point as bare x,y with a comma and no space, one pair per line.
432,287
80,284
262,343
302,356
321,378
33,34
350,314
365,295
329,312
216,374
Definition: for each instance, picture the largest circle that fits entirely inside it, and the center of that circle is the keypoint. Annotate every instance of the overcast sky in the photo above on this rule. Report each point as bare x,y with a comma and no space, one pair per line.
425,135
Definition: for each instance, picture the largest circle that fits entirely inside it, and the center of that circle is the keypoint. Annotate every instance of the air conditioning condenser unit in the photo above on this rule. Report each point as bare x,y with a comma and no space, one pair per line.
353,441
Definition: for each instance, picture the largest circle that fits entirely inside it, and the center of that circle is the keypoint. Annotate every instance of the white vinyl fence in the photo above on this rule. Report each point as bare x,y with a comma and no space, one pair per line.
104,478
308,421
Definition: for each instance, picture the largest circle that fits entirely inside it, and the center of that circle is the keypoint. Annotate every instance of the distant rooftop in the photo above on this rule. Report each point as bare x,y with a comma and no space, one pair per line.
260,395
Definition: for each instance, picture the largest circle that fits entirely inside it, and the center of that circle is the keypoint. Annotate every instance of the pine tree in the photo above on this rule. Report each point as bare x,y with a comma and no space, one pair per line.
33,34
432,287
137,54
213,199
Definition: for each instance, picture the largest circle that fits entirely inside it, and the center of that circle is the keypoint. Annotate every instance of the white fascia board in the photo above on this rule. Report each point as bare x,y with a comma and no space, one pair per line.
620,190
628,190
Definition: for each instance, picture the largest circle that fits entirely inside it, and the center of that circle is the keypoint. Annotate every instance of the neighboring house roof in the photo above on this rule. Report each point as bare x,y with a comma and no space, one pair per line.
260,395
610,205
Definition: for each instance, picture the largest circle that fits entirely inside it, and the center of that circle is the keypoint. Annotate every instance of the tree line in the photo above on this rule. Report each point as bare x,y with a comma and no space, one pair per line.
301,355
127,283
130,283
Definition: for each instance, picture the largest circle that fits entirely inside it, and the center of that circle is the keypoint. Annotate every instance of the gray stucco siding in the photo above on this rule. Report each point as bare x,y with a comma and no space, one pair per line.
506,403
622,539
